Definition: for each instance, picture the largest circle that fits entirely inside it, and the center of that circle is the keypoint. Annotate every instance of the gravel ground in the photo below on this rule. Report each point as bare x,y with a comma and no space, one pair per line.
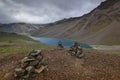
96,65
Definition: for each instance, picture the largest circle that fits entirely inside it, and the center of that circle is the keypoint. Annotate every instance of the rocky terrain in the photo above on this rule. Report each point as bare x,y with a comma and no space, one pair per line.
96,65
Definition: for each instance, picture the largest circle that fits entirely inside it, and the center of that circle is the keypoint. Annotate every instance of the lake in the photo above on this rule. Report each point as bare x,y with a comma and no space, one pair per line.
54,41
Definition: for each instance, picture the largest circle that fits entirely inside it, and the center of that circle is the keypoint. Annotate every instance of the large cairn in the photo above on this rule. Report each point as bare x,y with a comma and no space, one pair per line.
76,50
31,65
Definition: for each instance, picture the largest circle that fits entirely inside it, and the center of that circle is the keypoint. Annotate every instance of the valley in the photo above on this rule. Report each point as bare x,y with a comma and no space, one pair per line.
98,33
100,26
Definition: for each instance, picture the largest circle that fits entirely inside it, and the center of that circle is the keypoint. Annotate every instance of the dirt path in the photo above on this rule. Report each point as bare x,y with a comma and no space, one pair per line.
95,65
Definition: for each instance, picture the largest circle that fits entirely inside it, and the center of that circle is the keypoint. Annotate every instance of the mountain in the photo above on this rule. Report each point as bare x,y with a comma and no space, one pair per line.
22,28
100,26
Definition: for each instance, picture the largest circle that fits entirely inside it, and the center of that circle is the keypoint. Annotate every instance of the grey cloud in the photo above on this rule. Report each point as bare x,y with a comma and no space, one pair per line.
43,11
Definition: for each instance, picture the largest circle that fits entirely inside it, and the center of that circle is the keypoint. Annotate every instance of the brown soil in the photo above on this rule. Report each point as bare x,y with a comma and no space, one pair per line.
96,65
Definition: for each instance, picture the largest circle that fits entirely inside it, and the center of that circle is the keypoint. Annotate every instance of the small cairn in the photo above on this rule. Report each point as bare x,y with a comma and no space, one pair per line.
60,45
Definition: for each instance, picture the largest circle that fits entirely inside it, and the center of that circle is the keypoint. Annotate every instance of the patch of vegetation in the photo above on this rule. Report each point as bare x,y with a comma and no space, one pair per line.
13,43
22,48
100,25
6,37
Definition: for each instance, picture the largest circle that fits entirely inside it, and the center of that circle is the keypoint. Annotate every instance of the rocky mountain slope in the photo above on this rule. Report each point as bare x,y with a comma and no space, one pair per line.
100,26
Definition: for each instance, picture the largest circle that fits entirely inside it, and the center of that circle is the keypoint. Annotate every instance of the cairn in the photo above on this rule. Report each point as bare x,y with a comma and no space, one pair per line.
60,45
76,50
31,65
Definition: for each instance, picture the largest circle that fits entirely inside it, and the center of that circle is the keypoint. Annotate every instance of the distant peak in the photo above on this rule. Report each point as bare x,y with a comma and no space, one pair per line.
107,3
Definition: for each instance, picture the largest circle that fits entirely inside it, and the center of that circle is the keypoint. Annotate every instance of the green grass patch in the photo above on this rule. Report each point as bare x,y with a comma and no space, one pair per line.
8,37
23,48
13,43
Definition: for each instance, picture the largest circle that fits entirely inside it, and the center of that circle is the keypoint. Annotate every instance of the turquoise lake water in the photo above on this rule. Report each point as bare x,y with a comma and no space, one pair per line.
54,41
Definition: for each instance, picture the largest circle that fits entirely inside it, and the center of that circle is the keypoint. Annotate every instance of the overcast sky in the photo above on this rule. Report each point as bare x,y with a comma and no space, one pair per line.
43,11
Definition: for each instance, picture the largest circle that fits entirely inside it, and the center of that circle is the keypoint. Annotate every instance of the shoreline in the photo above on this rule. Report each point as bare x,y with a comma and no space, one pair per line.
106,47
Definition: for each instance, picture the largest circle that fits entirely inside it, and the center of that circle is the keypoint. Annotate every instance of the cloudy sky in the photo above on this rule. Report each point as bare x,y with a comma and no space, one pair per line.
43,11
